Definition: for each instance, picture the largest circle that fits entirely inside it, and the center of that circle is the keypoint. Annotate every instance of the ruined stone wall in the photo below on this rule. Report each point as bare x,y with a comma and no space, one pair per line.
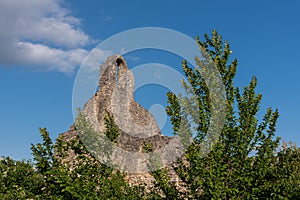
137,126
116,95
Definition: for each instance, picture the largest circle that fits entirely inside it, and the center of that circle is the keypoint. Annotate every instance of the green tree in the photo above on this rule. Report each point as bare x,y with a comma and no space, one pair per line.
18,179
71,172
244,163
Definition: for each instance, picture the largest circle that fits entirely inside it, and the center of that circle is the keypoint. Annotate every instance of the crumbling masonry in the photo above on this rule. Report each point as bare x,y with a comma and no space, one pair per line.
137,126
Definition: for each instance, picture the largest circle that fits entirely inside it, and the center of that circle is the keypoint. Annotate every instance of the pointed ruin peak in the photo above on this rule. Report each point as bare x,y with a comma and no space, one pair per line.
115,95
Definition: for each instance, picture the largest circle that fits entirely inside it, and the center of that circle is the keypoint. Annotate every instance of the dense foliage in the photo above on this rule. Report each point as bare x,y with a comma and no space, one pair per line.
247,162
58,176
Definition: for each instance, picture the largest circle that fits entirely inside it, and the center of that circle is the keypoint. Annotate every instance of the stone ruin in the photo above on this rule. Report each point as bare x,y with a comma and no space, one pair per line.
115,95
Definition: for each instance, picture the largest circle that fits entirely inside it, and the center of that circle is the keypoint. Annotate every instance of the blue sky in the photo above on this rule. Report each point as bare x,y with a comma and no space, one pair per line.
44,42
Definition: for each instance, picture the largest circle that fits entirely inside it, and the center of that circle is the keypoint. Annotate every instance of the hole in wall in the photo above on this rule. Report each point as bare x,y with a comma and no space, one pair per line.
119,62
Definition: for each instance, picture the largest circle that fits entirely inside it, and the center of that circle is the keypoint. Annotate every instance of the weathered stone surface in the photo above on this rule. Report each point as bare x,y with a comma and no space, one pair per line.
115,95
137,126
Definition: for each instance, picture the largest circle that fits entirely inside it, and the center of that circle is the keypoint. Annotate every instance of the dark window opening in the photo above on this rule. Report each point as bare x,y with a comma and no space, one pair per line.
119,62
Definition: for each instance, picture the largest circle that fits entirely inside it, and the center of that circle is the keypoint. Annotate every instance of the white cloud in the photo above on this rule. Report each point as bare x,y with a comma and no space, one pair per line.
52,30
41,33
54,59
95,58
